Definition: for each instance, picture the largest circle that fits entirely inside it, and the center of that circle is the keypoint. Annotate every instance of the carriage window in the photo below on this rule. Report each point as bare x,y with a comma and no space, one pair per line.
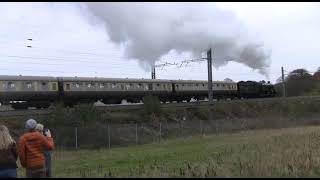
67,86
89,85
158,85
77,85
164,86
101,85
128,86
43,84
113,85
10,84
139,85
182,84
54,86
197,84
29,84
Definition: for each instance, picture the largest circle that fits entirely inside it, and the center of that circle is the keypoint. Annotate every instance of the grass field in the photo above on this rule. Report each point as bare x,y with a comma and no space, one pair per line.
291,152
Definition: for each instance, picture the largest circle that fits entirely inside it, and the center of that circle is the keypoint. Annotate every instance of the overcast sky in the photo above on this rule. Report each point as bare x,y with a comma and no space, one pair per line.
65,43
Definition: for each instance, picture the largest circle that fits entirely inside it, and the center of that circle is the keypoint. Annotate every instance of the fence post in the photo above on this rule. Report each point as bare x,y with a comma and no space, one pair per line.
136,133
160,131
76,137
200,127
216,126
105,133
109,139
180,122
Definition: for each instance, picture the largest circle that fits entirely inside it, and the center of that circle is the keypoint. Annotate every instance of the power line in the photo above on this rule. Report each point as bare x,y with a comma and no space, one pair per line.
50,58
22,44
75,52
65,72
70,62
84,54
180,63
86,66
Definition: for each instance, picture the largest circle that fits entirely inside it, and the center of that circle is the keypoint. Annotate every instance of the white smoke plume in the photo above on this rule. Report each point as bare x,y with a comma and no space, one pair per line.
150,30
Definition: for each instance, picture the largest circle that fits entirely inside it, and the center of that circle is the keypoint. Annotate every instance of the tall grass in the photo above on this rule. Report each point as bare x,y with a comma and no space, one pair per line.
291,152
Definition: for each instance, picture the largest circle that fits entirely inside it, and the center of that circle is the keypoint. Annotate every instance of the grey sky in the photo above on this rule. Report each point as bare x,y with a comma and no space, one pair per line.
65,43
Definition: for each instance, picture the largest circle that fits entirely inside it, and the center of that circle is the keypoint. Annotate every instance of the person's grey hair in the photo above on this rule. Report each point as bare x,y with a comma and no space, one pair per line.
5,137
39,127
31,124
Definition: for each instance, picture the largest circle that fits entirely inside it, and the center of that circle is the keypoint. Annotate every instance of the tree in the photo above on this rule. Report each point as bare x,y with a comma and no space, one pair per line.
316,75
151,105
299,82
228,80
299,73
279,80
278,86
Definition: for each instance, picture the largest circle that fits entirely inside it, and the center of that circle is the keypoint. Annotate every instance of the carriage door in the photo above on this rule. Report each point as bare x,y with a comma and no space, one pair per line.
44,86
173,87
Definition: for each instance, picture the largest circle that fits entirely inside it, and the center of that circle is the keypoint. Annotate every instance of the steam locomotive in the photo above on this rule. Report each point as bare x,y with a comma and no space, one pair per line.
40,92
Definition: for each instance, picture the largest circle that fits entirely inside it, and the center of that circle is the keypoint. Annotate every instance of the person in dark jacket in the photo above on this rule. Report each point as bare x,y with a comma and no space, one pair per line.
8,154
47,154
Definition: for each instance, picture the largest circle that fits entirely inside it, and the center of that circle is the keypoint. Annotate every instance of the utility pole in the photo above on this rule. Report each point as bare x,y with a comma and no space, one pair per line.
283,83
153,72
210,93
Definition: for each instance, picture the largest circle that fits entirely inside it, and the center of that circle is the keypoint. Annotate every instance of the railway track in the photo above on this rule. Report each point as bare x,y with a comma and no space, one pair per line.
7,113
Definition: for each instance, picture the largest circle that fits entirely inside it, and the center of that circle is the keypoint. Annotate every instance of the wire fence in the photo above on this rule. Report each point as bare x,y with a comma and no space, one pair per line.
125,134
110,135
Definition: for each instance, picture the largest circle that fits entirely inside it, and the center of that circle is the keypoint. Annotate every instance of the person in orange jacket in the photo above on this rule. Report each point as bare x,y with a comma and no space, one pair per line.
31,149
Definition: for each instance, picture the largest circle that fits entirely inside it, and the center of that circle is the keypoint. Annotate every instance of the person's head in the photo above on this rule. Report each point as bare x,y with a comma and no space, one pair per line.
31,125
39,128
5,137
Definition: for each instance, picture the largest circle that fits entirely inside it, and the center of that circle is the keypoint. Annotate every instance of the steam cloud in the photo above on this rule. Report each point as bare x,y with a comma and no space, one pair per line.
150,30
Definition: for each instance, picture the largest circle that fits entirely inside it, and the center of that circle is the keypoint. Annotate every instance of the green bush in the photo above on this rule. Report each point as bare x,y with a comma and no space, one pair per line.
151,105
